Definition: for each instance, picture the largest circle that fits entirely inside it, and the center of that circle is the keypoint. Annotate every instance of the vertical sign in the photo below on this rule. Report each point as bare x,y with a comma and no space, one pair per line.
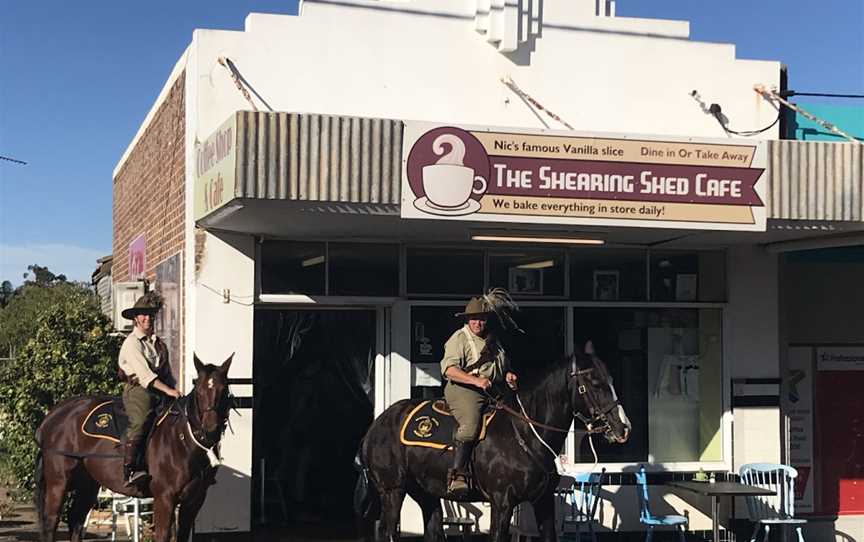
798,397
137,249
216,169
168,322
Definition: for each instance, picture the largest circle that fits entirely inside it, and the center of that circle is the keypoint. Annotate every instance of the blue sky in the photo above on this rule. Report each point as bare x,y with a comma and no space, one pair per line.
79,77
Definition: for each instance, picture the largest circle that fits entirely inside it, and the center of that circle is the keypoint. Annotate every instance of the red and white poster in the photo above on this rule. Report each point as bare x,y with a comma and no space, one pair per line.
839,423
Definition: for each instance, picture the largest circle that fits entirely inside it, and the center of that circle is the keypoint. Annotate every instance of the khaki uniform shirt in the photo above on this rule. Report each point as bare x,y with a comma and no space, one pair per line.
138,357
463,349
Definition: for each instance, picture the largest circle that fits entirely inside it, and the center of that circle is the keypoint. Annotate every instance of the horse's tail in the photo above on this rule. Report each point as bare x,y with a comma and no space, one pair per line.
367,502
39,492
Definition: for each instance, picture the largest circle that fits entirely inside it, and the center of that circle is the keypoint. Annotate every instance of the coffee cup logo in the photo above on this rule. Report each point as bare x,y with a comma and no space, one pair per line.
448,171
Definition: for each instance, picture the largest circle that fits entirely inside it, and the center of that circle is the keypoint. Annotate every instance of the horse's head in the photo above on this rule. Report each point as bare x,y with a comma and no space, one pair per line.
211,396
593,398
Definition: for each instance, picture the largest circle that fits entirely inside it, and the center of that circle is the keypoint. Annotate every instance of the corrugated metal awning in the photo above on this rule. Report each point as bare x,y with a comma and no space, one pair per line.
306,157
337,159
815,180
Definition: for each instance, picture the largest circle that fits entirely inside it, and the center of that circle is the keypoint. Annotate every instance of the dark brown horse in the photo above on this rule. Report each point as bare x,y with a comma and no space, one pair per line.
181,457
511,465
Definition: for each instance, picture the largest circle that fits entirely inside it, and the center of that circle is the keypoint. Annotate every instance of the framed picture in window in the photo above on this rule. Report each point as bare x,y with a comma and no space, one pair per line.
525,281
605,285
685,287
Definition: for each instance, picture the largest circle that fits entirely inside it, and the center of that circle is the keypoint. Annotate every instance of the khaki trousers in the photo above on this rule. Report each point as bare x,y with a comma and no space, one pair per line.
466,404
139,404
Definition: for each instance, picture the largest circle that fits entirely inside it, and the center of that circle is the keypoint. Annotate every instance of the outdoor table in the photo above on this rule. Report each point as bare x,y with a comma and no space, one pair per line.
715,491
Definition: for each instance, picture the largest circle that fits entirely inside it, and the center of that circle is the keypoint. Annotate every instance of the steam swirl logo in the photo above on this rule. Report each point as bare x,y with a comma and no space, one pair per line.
448,171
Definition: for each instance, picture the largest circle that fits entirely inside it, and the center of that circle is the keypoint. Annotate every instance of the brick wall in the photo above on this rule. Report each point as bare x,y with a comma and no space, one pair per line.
149,195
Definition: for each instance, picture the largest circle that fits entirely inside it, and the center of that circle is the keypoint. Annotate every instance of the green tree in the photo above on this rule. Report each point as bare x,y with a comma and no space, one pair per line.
42,276
68,349
6,292
19,315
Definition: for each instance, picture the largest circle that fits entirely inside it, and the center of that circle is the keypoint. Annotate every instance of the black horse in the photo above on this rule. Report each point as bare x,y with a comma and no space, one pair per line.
511,465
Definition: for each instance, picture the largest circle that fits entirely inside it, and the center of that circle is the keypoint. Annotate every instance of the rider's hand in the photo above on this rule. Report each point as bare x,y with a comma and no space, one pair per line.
175,394
511,380
483,383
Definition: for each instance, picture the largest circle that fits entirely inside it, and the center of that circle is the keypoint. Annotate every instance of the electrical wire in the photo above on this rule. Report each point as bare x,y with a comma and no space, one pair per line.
788,93
716,112
9,159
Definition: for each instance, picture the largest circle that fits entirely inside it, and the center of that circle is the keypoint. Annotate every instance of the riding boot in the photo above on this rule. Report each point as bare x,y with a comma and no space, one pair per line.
132,470
457,476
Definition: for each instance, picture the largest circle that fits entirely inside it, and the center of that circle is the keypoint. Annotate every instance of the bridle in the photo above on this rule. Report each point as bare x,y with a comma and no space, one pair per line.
598,419
205,440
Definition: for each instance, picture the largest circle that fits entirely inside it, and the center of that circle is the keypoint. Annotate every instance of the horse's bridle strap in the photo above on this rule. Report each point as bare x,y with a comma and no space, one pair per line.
499,405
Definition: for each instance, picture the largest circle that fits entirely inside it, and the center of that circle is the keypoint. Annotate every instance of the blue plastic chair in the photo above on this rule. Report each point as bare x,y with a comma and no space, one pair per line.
650,520
581,504
777,509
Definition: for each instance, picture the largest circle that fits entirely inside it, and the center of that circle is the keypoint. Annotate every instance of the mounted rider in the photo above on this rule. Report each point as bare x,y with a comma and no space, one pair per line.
144,369
474,363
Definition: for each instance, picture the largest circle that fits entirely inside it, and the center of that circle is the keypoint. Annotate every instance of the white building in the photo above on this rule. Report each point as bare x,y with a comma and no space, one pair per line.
304,251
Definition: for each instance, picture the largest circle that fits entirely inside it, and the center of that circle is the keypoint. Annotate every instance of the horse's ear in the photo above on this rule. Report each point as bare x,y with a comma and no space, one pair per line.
227,364
589,348
199,366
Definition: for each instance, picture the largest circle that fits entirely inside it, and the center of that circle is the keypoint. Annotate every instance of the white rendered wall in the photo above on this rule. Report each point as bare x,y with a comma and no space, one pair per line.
222,329
753,349
372,60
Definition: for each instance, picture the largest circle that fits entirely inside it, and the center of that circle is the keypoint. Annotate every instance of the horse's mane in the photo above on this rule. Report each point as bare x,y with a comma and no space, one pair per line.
547,380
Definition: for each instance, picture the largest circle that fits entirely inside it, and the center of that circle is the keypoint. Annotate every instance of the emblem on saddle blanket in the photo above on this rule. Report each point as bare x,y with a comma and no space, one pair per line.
431,424
108,420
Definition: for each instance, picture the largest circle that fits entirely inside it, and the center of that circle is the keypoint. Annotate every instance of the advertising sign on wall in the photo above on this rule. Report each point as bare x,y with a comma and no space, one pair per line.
137,251
839,423
463,173
797,390
216,169
168,322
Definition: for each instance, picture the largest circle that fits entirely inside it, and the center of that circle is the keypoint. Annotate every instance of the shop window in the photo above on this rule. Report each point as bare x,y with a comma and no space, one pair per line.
363,269
444,271
688,276
526,273
608,275
667,371
430,329
289,267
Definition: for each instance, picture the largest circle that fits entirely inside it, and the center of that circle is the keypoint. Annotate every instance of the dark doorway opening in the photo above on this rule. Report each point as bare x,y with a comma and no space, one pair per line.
313,404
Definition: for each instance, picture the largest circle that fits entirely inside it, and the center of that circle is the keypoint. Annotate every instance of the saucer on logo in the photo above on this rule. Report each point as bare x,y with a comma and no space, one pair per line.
448,171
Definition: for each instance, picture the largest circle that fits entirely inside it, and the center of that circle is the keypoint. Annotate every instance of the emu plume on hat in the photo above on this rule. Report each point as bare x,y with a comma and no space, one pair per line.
149,303
497,301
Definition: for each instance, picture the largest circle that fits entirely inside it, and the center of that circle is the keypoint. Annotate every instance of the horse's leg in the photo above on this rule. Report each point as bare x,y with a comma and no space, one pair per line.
163,517
86,491
544,514
391,509
499,527
188,510
433,529
57,471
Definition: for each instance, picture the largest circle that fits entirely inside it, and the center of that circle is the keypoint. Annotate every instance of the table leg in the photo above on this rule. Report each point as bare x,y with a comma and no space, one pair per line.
715,516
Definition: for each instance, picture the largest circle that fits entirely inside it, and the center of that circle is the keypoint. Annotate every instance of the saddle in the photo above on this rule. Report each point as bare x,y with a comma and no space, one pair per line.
431,424
108,419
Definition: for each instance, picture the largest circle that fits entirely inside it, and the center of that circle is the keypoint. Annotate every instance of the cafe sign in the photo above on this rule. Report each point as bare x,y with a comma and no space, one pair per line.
484,174
216,169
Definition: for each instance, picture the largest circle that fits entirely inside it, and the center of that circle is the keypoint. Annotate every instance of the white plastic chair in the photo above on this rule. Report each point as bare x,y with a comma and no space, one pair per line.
777,509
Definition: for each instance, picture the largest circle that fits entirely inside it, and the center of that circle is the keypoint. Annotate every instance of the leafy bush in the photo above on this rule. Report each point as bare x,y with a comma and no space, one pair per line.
66,350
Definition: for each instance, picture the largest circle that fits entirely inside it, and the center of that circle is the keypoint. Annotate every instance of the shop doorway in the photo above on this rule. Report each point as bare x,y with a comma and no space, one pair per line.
313,404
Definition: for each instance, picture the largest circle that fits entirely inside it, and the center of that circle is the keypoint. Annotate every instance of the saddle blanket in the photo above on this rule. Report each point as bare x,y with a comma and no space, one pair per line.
431,424
107,420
